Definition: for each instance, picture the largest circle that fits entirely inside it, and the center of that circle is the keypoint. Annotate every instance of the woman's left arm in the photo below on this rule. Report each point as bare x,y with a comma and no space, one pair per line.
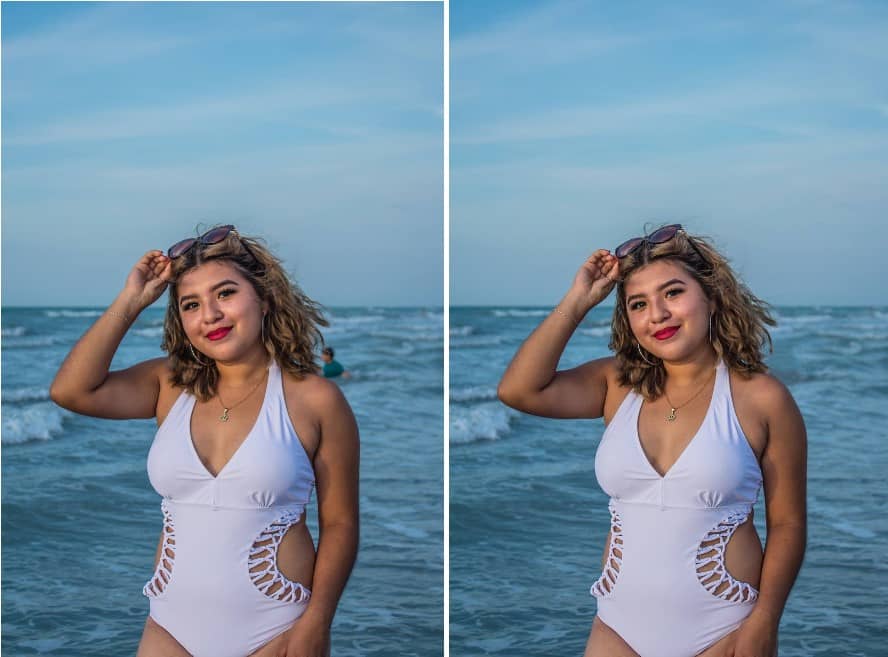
336,474
784,471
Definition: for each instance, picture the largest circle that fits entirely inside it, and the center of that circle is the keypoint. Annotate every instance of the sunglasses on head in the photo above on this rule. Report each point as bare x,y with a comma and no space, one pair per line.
213,236
660,236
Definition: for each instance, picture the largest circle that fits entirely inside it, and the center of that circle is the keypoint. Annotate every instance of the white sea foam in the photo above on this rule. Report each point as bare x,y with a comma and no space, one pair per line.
31,393
422,336
486,421
30,341
461,330
597,331
517,312
803,319
473,393
39,421
151,332
13,331
73,313
405,530
476,341
356,319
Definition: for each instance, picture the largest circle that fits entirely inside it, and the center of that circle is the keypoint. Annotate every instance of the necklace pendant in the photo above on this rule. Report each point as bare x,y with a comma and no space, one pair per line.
671,416
224,416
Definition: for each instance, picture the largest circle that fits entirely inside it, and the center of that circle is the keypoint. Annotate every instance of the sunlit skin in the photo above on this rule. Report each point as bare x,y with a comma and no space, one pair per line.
664,300
217,296
663,295
222,318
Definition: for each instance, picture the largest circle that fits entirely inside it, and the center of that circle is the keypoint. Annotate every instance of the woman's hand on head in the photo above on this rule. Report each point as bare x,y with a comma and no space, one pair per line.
596,278
149,278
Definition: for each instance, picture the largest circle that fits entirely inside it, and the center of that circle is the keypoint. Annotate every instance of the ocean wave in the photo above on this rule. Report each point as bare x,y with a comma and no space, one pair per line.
597,331
355,319
473,393
461,330
39,421
477,341
73,313
516,312
421,336
802,319
151,332
488,421
30,342
28,394
405,349
405,530
13,331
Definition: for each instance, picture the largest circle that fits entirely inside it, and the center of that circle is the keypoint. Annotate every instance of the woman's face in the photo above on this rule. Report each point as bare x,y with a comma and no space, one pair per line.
668,311
221,312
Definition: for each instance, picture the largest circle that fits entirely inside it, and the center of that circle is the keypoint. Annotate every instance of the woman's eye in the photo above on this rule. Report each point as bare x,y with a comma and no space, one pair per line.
189,305
226,292
674,291
636,305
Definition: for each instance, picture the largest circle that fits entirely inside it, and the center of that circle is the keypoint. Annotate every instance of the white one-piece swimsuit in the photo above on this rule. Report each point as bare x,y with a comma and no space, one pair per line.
216,588
658,587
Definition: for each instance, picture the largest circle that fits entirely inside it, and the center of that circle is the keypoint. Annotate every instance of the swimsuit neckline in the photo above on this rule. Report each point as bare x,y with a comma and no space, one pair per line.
246,439
690,443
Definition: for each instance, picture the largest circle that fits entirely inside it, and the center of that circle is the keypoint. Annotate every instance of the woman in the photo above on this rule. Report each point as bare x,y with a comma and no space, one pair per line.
695,426
246,429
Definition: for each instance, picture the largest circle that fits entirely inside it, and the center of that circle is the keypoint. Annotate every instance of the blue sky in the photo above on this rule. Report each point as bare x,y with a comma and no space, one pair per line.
316,126
763,125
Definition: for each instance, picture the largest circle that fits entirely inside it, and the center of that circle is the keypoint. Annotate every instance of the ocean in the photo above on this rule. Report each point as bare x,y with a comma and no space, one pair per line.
80,520
528,521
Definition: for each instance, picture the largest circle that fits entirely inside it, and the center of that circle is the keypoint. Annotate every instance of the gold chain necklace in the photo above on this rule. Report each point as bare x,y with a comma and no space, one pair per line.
225,409
673,407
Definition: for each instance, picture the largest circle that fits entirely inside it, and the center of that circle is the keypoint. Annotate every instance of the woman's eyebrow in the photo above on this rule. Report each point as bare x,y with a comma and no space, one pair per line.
212,289
664,285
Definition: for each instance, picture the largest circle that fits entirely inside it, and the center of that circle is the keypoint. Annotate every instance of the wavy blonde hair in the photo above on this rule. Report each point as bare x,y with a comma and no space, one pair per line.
291,332
739,336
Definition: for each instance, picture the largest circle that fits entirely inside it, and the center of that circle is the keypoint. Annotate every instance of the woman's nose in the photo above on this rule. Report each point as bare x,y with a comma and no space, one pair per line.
211,312
659,312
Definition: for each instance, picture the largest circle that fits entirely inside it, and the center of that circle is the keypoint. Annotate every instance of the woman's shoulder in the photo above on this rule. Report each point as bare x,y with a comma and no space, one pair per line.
312,391
762,390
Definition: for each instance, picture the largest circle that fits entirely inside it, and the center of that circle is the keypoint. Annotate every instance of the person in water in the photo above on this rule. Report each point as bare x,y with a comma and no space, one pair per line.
246,430
695,427
333,368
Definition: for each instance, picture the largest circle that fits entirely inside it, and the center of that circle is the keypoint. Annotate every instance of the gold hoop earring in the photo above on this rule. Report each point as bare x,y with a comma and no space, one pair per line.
710,328
194,355
643,357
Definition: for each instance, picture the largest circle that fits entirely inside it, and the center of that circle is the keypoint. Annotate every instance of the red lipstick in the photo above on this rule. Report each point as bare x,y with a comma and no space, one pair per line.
666,333
219,333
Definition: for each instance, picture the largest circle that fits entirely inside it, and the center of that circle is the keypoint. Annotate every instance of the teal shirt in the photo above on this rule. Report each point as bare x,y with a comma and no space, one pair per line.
333,369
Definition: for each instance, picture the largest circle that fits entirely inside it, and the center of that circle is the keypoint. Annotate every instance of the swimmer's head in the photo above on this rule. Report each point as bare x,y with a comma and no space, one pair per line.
739,336
290,328
327,354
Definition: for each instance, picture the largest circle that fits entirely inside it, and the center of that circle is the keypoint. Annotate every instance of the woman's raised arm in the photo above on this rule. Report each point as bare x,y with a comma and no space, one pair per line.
83,383
531,383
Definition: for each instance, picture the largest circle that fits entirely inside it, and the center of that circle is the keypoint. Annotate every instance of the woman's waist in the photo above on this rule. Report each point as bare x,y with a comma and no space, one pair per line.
661,526
225,525
213,543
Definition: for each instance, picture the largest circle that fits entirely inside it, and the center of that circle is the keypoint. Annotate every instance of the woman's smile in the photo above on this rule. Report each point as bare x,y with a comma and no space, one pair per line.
219,333
666,333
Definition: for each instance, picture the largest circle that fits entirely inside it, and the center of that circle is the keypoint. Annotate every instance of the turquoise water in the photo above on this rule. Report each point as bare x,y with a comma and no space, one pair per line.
80,520
528,520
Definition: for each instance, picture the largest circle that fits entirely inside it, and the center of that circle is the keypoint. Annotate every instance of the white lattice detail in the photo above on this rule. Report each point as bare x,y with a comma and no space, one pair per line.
262,563
712,551
163,573
604,585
